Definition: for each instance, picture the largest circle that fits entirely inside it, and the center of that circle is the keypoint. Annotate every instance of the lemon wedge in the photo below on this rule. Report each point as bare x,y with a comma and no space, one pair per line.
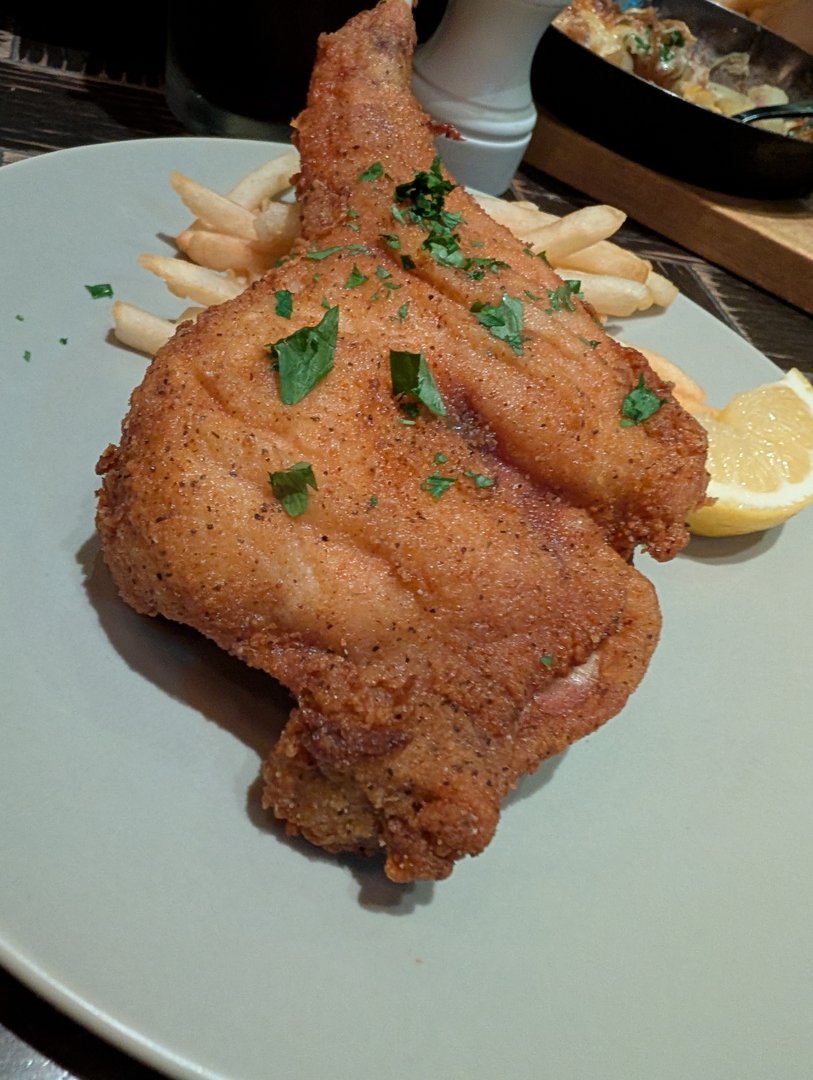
760,450
760,458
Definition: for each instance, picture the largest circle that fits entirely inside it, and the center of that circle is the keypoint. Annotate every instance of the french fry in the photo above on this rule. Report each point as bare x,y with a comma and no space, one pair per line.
277,226
520,217
615,296
605,257
266,182
575,231
189,314
192,282
219,251
217,211
140,329
662,290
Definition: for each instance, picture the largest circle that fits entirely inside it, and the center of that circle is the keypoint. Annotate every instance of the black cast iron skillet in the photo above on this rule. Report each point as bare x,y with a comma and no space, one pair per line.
661,130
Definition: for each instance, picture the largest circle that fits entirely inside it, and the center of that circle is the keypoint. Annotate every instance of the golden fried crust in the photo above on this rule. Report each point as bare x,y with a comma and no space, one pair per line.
438,648
555,408
439,644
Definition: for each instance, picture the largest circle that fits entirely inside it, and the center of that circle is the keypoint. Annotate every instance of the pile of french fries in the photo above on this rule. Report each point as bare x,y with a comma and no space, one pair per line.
235,238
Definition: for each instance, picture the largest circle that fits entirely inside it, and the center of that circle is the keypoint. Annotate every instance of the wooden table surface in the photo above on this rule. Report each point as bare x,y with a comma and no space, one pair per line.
58,91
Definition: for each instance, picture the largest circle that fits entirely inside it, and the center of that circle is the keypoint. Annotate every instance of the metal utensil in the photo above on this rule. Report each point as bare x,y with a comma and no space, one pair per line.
772,112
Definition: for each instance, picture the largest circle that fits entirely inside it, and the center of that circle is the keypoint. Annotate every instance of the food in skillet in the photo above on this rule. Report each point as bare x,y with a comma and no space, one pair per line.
404,474
666,52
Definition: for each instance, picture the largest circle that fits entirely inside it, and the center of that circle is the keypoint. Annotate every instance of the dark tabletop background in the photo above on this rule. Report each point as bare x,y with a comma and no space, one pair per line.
91,74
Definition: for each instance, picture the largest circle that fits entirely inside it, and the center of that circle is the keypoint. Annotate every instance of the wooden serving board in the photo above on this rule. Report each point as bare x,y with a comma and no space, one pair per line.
769,243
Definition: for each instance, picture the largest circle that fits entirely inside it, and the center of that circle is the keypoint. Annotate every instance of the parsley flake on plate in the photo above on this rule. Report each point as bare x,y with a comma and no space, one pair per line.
305,357
410,375
98,292
291,485
639,404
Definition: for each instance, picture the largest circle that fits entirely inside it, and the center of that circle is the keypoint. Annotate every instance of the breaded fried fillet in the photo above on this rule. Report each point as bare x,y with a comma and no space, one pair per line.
448,592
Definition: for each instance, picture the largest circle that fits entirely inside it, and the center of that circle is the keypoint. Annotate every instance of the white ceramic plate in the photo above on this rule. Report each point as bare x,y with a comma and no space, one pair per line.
645,910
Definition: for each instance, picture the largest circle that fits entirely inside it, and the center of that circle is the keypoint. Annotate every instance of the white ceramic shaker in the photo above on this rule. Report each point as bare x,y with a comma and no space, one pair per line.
474,73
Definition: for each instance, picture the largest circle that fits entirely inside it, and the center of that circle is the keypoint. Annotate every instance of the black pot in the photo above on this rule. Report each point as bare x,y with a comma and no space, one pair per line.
659,129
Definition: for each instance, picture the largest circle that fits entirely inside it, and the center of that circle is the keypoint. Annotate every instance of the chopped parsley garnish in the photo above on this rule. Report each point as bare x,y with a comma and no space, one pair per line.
355,278
671,40
291,485
407,262
27,355
403,311
441,459
20,318
562,296
589,342
285,303
324,253
639,404
426,193
410,375
437,485
504,320
444,248
476,268
98,292
638,45
480,479
422,202
382,272
392,241
373,503
63,341
409,413
372,172
546,660
531,295
305,357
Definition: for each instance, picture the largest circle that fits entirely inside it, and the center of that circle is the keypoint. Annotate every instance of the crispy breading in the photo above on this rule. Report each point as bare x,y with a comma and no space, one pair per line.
450,607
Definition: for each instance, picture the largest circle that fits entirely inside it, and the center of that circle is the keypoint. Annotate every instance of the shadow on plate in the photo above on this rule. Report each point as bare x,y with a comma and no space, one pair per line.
721,550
